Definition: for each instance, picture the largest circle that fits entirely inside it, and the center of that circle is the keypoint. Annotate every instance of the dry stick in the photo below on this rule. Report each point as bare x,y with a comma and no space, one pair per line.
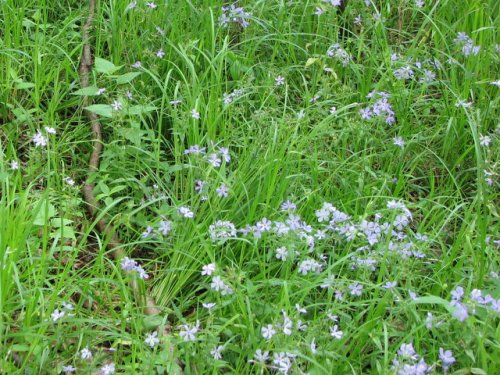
103,226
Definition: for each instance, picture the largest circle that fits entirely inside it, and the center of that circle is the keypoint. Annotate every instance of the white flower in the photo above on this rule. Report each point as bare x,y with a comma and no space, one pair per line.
56,315
222,191
132,5
137,65
287,324
209,305
128,264
39,140
313,346
147,232
208,269
300,309
100,91
142,273
446,357
335,332
398,141
429,320
224,153
260,356
282,253
151,339
85,353
222,229
310,265
217,352
188,332
69,181
107,369
283,362
151,5
116,105
390,285
219,285
333,110
214,160
484,140
356,289
67,306
463,104
186,212
160,53
14,165
280,81
165,227
319,11
301,326
68,369
50,130
195,114
268,331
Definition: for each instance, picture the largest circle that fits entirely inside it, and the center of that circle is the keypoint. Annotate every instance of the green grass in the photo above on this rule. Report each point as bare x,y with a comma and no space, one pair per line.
285,143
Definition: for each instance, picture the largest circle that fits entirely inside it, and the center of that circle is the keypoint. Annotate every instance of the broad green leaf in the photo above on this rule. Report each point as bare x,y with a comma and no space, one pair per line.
127,77
64,232
45,212
105,66
434,300
87,91
58,222
134,135
312,60
101,109
140,109
24,85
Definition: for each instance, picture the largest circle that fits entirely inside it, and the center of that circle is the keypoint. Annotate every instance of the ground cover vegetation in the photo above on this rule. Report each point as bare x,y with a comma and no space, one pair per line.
300,187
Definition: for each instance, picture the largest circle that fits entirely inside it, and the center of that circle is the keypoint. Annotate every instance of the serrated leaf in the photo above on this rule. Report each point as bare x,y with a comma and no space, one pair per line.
127,77
105,66
87,91
101,109
140,109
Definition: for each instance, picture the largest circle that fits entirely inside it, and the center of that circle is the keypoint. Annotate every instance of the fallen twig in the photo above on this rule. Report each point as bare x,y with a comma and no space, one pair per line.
103,226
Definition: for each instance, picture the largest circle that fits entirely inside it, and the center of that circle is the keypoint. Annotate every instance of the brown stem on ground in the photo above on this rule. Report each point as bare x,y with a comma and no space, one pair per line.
105,228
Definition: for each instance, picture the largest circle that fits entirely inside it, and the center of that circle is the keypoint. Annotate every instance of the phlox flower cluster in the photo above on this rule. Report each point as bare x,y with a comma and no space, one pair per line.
338,53
462,307
380,109
130,265
234,14
41,140
221,230
467,44
228,98
408,362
